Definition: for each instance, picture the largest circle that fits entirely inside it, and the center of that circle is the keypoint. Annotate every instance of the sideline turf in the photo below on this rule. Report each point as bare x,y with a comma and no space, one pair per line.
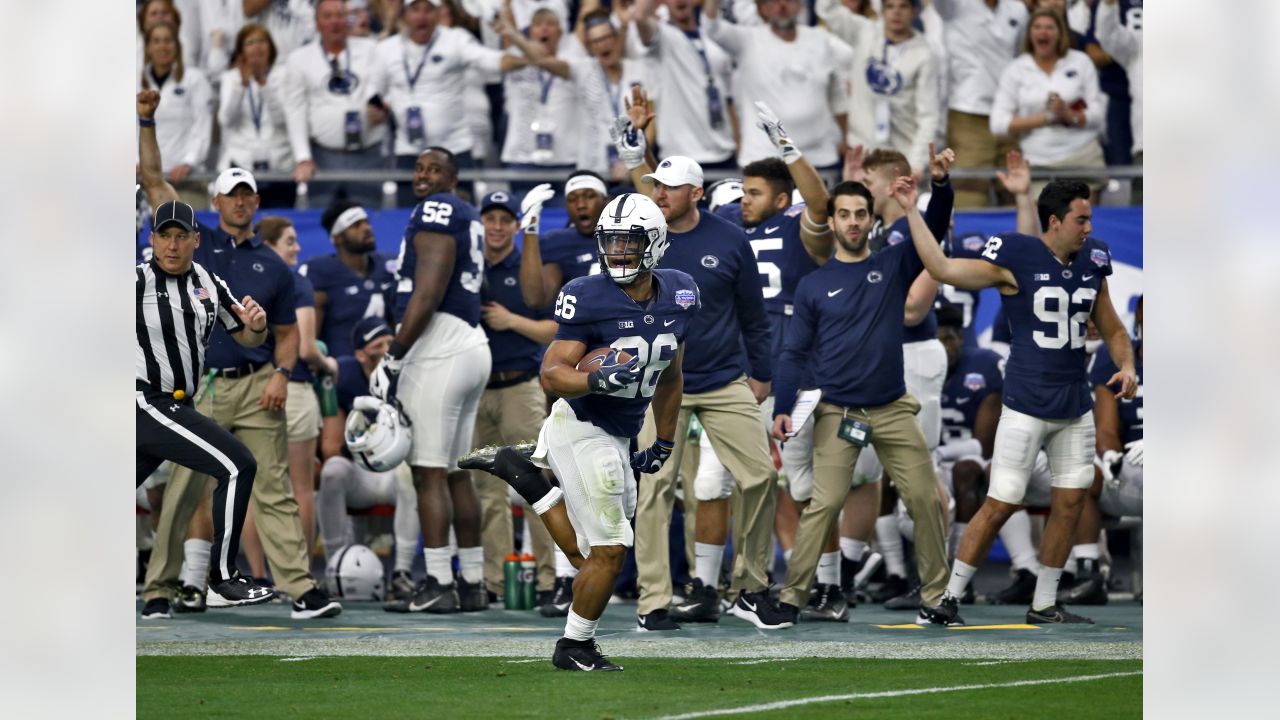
463,687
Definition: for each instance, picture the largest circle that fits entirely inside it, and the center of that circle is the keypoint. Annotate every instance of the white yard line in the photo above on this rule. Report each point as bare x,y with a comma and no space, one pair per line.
783,704
761,662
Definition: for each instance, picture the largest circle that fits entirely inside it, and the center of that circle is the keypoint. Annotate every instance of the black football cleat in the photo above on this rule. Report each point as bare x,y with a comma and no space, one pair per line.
581,656
826,604
472,598
430,596
156,609
559,599
1019,592
190,599
656,621
946,613
892,587
315,603
1090,587
759,609
236,591
906,601
1055,615
486,458
701,604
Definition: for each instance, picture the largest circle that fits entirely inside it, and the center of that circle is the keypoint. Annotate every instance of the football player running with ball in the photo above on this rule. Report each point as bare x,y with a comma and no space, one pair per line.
638,316
1050,286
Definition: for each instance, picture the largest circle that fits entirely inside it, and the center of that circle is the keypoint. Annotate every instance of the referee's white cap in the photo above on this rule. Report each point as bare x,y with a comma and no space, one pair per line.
230,178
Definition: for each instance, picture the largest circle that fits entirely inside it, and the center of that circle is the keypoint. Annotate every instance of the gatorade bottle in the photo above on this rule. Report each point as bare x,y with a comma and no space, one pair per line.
325,389
511,594
528,587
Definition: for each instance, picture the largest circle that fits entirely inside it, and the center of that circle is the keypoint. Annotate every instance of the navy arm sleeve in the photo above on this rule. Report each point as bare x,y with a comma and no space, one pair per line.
751,315
938,213
796,348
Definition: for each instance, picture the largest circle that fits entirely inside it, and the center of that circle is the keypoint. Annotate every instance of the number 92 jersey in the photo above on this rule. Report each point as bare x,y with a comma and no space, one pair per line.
594,311
447,215
1046,376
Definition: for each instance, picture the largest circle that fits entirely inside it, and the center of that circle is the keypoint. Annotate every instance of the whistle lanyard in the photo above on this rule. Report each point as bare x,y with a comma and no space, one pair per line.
255,109
696,41
334,66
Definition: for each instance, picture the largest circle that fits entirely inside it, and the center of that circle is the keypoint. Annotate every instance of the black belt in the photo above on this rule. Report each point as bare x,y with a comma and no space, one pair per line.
148,388
506,378
244,370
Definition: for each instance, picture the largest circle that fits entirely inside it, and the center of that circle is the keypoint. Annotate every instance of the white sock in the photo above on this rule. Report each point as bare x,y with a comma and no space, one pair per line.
578,627
471,564
196,554
1016,536
829,568
564,568
404,556
1087,551
890,541
786,555
852,548
1046,588
961,574
957,532
439,564
707,559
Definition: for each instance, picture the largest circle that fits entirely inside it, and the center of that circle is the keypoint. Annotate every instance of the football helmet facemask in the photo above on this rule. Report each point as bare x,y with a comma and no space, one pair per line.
631,237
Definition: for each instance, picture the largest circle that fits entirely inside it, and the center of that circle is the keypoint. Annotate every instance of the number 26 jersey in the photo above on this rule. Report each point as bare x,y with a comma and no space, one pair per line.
593,310
1046,375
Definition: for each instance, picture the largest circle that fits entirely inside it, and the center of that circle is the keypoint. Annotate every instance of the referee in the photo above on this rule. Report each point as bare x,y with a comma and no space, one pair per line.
178,303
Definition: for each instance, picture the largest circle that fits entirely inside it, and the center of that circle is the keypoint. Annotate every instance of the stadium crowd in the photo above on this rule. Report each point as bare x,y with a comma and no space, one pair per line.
883,479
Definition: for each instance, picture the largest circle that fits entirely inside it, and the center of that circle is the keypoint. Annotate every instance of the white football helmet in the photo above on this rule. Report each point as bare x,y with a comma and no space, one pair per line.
355,573
724,192
631,217
378,434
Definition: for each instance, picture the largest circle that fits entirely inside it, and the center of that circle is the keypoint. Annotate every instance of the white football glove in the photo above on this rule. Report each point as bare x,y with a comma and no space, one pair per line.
629,141
385,378
1133,454
1112,461
531,207
772,127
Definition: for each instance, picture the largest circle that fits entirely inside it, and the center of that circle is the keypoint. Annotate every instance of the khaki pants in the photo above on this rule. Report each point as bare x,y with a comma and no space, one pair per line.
233,404
970,137
731,418
508,416
901,448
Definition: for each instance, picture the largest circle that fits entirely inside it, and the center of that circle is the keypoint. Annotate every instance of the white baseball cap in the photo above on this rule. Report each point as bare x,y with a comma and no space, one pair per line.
677,170
230,178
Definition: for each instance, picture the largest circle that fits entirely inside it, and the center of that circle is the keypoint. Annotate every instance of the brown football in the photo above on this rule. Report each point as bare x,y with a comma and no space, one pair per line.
595,358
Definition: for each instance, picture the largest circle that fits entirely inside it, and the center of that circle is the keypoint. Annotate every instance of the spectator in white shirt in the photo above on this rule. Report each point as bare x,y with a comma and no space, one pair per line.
609,80
894,101
290,22
251,114
184,122
154,12
982,38
333,125
542,101
1124,44
790,68
1049,96
422,76
695,110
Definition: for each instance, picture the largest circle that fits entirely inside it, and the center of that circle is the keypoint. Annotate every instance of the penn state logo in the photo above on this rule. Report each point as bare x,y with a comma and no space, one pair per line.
974,381
664,164
648,319
344,83
179,91
257,267
368,284
509,282
875,276
436,58
883,78
1066,273
710,261
499,197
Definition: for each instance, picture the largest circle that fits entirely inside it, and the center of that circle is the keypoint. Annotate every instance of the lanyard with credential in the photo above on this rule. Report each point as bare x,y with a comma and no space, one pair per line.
412,78
334,66
615,98
547,79
255,109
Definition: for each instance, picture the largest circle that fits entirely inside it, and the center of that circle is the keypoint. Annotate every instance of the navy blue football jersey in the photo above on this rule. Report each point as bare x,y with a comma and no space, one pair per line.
350,298
446,214
977,374
731,212
970,247
781,257
596,312
1046,376
1130,410
575,253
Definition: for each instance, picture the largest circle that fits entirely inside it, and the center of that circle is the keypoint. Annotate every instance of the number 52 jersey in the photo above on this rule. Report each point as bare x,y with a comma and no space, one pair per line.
445,214
593,310
1046,375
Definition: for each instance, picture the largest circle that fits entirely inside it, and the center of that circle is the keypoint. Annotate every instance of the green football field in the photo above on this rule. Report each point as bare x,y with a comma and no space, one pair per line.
496,664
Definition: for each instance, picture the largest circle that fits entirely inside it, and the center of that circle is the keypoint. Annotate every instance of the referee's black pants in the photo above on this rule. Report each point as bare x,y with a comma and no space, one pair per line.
173,430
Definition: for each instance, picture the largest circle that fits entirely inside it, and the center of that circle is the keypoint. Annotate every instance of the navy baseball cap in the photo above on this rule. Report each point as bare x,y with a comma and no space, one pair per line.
174,212
367,330
500,199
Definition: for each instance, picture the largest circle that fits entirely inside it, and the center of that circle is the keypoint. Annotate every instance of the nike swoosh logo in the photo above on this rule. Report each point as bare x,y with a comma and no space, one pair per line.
687,608
667,323
588,668
834,293
1086,278
416,607
747,605
773,229
961,401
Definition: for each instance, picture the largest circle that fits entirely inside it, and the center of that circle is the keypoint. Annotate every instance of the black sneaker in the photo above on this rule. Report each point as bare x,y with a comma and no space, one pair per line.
1019,592
559,600
472,598
190,599
656,621
906,601
758,609
1089,589
236,591
156,609
581,656
701,604
946,613
430,596
854,576
892,587
969,597
826,604
314,603
1055,615
544,597
486,458
401,586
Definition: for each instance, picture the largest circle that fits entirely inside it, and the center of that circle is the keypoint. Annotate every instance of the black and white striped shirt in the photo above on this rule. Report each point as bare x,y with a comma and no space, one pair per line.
175,320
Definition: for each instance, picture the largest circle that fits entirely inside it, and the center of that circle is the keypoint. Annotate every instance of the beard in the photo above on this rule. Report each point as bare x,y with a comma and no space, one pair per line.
853,247
783,24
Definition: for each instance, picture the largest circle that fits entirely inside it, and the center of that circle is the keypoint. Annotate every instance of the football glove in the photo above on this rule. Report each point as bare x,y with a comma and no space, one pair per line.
650,460
531,207
772,127
629,141
385,377
613,375
1112,461
1133,454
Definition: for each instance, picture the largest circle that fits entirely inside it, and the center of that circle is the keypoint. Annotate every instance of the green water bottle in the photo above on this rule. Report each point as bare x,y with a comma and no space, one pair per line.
511,582
528,586
326,389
